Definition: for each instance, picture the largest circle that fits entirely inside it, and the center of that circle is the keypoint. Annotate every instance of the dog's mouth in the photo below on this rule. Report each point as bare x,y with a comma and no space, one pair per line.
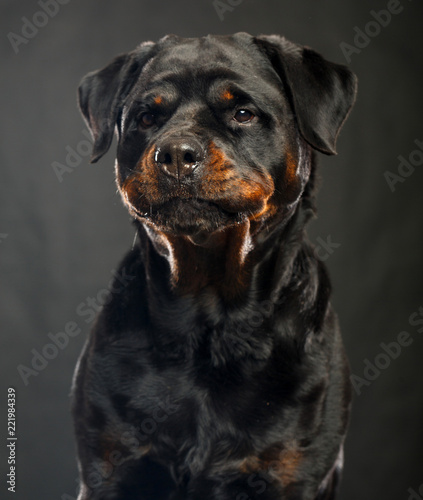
189,216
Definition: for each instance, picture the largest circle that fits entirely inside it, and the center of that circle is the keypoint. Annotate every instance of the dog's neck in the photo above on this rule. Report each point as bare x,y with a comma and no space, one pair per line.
226,262
216,261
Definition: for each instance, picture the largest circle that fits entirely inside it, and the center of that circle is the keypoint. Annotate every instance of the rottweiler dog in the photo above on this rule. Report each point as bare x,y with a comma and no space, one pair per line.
217,370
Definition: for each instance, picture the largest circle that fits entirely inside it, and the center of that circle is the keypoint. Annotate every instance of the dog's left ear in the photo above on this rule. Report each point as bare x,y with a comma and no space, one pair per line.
322,93
101,95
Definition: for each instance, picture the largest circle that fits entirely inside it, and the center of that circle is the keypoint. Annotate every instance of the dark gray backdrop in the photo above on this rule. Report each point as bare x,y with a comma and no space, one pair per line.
60,238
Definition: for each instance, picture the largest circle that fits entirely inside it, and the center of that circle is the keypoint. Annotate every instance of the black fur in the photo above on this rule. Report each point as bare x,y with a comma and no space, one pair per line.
215,369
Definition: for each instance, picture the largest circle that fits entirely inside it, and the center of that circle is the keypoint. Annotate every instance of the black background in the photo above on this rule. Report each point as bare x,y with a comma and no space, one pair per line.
60,241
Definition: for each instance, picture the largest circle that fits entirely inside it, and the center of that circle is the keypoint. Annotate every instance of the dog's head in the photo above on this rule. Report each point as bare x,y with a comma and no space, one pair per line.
216,130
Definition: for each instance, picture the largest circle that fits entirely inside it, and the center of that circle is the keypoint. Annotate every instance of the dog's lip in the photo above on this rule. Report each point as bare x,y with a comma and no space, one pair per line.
193,217
192,201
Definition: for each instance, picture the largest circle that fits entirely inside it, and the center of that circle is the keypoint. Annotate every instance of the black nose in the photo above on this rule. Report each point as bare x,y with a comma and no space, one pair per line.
178,157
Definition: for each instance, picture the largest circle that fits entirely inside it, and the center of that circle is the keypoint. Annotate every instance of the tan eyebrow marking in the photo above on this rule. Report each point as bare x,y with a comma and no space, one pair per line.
227,95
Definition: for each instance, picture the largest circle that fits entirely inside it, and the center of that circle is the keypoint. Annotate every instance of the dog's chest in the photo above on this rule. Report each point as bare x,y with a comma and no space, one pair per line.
172,407
187,422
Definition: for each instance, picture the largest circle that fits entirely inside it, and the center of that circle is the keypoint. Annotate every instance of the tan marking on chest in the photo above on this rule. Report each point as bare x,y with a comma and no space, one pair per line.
282,464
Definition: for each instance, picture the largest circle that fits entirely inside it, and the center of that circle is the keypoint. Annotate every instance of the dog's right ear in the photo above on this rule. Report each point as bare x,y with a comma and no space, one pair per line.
101,95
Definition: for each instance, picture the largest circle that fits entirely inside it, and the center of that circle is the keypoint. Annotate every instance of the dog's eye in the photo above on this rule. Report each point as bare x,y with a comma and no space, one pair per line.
147,120
243,116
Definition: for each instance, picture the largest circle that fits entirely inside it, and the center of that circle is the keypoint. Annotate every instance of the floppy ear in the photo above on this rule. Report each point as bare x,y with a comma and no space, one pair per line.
322,93
101,95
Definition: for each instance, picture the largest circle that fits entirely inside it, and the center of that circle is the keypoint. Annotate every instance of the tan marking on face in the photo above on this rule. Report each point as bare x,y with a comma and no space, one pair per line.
217,159
158,100
222,180
227,95
218,172
291,169
141,188
267,211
